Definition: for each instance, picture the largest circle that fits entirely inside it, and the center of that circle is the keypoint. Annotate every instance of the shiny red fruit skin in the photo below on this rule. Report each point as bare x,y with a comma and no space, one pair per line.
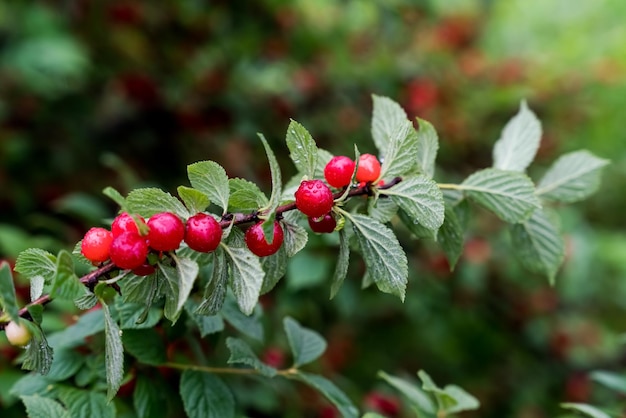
314,198
125,223
129,250
338,171
203,233
166,231
255,240
369,168
96,244
323,225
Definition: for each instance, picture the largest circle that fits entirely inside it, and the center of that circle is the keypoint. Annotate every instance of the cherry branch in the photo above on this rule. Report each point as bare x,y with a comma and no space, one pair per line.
91,279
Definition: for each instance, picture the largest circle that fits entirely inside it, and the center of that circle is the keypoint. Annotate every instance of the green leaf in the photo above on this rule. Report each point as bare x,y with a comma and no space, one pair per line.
383,210
268,224
402,148
302,149
306,345
88,324
245,196
139,289
572,178
611,380
427,147
538,244
150,201
39,407
274,267
117,197
131,315
451,237
86,301
419,230
246,276
241,353
588,410
66,284
215,290
38,355
148,398
67,363
248,325
35,262
210,178
114,354
519,141
331,392
187,270
421,199
416,397
207,324
195,200
295,239
204,395
87,404
384,258
30,384
170,291
146,345
451,399
508,194
8,298
387,116
343,261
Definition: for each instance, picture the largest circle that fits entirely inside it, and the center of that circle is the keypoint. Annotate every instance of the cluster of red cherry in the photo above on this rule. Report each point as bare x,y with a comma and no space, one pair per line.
128,247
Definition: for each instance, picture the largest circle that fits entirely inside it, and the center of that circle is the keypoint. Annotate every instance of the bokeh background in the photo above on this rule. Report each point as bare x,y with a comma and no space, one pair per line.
127,93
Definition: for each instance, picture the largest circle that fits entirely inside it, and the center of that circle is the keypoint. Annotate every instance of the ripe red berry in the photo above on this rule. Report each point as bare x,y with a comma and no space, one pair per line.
125,223
203,233
369,168
255,239
314,198
96,244
338,171
323,225
166,231
129,250
144,270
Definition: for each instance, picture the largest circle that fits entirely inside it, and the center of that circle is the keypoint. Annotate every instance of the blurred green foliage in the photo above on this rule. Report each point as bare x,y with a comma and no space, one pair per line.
127,93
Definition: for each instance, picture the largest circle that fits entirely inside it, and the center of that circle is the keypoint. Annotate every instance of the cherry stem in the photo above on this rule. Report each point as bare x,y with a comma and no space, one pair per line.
91,279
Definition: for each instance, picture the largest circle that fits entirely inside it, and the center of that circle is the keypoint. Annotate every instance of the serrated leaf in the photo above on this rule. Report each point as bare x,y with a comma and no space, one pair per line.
331,392
306,345
35,262
66,284
136,315
295,238
210,178
241,353
451,237
87,404
195,200
146,345
86,301
421,199
415,228
246,276
245,195
343,262
508,194
8,298
204,395
383,210
538,244
40,407
427,147
139,289
274,201
207,324
274,267
150,201
37,284
65,365
215,290
413,393
384,258
187,273
302,148
588,410
611,380
572,177
171,291
39,354
114,354
519,141
399,157
248,325
148,398
88,324
387,115
117,197
451,399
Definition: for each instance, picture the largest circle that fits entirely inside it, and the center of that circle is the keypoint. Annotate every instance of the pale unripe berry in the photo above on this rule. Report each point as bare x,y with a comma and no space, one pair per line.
18,334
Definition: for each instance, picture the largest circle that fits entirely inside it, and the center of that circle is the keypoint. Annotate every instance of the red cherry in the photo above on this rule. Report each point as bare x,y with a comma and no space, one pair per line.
144,270
314,198
323,225
369,168
166,231
203,233
255,240
338,171
129,250
96,244
125,223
